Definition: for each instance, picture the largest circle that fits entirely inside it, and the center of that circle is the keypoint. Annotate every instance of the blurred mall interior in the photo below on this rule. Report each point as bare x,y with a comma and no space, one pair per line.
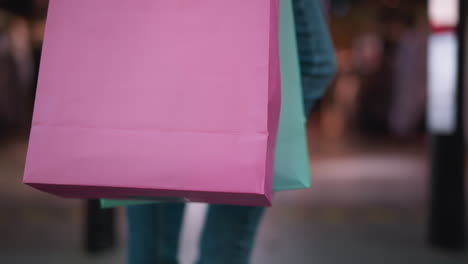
384,146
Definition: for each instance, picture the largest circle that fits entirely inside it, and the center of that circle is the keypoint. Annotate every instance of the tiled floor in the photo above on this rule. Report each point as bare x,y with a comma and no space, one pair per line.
364,207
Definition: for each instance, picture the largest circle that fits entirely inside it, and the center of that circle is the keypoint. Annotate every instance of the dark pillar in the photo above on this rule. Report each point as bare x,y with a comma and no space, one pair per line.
447,210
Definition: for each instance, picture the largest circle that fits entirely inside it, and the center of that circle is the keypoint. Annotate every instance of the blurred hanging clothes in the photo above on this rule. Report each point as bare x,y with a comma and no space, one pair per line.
316,53
409,83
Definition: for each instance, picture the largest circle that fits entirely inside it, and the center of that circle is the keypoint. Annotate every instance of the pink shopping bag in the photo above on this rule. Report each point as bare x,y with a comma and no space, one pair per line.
157,98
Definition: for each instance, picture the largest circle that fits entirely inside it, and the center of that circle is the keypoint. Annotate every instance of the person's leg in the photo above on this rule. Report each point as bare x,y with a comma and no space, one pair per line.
153,233
229,234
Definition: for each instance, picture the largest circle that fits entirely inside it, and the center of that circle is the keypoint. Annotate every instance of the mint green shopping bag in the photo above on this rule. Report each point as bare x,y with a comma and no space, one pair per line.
112,203
292,170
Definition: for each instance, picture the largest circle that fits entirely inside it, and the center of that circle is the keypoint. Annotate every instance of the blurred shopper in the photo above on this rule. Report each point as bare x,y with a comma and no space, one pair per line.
229,232
409,80
17,74
374,93
338,107
374,104
19,56
7,78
